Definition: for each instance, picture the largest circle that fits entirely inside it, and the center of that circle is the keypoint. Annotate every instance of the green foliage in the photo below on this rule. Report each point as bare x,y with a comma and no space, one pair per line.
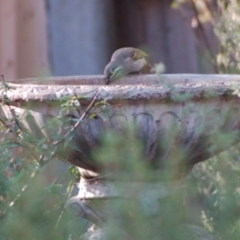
226,29
30,206
217,183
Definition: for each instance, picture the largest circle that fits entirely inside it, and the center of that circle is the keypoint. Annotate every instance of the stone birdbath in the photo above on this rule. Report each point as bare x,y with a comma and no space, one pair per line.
169,113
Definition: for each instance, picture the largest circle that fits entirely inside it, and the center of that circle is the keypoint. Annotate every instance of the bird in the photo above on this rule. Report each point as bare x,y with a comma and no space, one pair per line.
125,61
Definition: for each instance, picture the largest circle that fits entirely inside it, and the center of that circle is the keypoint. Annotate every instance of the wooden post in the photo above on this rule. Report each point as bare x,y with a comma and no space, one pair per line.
8,38
23,39
32,45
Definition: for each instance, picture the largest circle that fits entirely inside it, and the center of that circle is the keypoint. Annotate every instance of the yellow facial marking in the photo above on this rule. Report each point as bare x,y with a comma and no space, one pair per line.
117,72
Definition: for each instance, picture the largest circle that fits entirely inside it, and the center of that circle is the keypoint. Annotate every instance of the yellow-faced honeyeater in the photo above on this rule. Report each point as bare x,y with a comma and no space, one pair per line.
125,61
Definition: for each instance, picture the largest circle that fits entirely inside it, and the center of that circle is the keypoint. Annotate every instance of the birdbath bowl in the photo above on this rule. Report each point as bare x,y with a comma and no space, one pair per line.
176,118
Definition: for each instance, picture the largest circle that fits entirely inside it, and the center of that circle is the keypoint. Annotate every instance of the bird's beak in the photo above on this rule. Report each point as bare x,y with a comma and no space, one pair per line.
110,79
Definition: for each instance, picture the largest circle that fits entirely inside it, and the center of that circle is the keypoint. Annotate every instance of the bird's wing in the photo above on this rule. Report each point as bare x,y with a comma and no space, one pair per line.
128,52
148,69
139,66
138,54
132,66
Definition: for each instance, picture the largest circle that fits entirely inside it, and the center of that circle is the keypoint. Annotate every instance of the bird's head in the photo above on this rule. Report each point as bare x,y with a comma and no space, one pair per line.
114,70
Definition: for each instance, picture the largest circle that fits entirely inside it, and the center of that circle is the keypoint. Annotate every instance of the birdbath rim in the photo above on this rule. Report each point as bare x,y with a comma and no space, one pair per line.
134,87
146,79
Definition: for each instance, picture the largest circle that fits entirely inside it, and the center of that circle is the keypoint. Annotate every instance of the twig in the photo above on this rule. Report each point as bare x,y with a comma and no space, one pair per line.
24,188
211,8
16,121
79,121
201,28
2,77
6,102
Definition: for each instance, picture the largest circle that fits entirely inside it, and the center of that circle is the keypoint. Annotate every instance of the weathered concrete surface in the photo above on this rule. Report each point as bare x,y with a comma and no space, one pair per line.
131,87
